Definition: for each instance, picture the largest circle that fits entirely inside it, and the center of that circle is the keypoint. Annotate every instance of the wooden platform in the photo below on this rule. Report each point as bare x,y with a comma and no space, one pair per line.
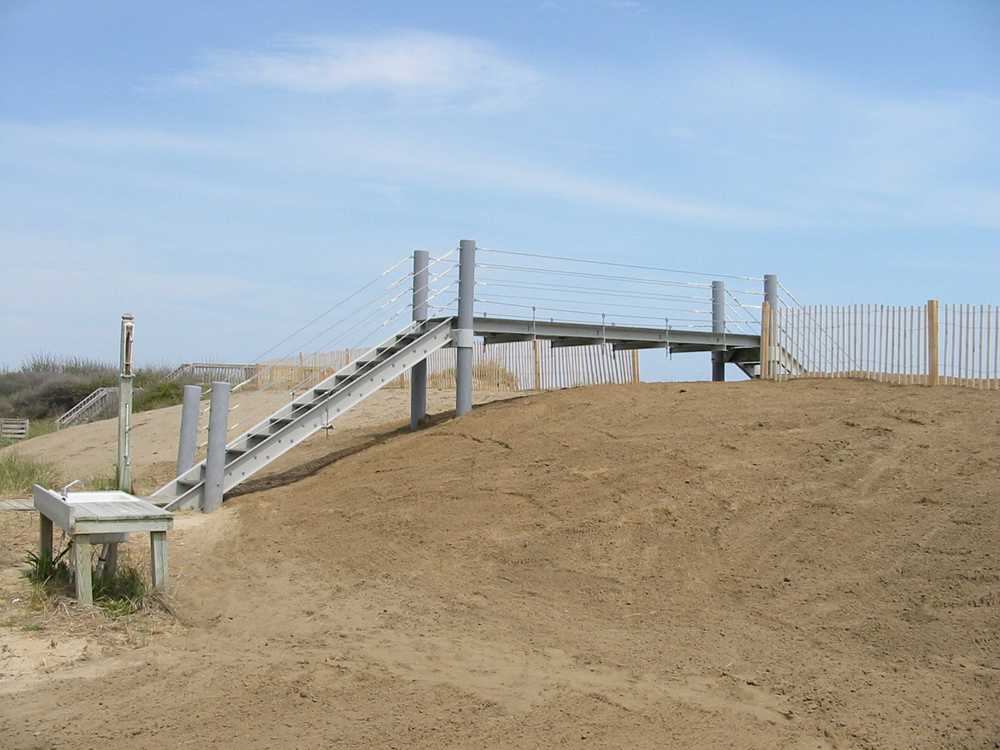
102,518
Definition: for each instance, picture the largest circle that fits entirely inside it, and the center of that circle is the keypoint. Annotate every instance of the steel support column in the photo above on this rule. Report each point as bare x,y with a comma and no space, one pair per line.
719,326
463,332
418,373
771,298
187,446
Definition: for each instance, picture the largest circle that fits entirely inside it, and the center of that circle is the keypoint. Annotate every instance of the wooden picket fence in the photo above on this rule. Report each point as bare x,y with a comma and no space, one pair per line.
927,344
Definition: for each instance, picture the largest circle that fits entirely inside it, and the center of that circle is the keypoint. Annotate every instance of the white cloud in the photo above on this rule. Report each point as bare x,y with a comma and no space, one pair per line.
830,147
413,65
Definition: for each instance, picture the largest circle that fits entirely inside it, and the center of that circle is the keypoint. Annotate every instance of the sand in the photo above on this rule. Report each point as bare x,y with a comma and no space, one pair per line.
753,565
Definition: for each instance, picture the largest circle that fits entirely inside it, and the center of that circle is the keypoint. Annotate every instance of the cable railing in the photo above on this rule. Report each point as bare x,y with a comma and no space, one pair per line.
329,341
575,290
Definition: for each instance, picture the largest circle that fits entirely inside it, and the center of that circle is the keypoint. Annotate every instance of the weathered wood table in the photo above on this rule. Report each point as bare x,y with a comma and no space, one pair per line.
98,518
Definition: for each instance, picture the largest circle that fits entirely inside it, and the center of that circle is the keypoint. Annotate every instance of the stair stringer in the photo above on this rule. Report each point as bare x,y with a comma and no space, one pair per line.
312,411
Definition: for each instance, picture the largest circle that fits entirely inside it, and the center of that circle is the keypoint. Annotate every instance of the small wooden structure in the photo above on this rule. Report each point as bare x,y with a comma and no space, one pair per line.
14,429
102,518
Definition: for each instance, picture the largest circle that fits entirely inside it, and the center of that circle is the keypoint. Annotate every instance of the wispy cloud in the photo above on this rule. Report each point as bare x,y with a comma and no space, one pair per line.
838,148
414,65
309,154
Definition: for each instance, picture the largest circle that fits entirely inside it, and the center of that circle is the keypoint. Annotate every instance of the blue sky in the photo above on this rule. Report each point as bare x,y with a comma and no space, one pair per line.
225,171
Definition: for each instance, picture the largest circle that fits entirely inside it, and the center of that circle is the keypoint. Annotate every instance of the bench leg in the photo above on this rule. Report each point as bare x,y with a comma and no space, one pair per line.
44,537
107,565
81,567
158,560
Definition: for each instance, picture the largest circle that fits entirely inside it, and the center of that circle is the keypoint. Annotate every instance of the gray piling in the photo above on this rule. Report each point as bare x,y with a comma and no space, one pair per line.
771,298
215,461
418,373
187,446
719,326
464,334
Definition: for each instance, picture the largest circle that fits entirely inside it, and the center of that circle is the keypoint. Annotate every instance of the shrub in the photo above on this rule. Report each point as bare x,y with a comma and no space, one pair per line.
167,393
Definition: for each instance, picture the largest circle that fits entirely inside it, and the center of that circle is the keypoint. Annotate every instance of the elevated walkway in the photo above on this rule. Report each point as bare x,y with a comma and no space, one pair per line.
318,406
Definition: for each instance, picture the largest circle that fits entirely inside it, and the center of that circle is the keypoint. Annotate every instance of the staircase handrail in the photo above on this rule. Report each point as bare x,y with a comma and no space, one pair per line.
91,403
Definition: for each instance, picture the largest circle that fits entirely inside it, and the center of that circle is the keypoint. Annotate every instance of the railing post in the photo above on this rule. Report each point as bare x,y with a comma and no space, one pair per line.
188,444
215,461
125,379
463,332
719,326
769,349
933,368
418,373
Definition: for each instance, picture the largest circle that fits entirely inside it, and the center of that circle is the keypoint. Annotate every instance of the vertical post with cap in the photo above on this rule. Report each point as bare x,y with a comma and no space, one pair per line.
215,460
719,326
463,331
418,374
125,378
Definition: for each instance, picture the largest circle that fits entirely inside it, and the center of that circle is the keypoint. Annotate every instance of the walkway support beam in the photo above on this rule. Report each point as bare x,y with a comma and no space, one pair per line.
719,326
215,461
464,329
418,373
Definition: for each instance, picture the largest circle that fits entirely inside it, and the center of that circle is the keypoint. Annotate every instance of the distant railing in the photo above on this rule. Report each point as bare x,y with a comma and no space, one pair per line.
14,429
927,344
210,372
98,403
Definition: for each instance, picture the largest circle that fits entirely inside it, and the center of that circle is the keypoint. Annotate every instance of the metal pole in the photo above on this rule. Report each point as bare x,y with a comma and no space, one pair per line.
215,462
463,332
719,326
418,373
771,298
126,376
188,444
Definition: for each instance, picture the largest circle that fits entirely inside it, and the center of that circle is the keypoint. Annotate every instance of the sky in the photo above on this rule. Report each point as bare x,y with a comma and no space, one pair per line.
226,170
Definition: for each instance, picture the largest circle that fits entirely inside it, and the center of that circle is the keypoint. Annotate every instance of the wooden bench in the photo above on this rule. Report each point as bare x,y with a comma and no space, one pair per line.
100,518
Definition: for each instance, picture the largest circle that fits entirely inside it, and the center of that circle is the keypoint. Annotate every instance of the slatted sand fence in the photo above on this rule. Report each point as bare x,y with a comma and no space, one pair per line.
512,366
955,344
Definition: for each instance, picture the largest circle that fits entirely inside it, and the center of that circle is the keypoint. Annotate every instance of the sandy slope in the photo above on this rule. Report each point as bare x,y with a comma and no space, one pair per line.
801,565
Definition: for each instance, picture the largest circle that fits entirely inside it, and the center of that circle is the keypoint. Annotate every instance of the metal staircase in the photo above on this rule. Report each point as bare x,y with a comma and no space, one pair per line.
312,411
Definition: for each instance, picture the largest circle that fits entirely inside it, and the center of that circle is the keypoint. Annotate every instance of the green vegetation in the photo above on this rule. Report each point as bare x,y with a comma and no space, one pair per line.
125,593
18,474
167,393
45,387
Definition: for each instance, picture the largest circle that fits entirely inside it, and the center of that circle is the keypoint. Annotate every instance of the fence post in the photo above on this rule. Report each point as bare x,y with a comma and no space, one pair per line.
635,366
932,342
463,332
188,444
215,461
719,326
537,346
125,379
418,373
